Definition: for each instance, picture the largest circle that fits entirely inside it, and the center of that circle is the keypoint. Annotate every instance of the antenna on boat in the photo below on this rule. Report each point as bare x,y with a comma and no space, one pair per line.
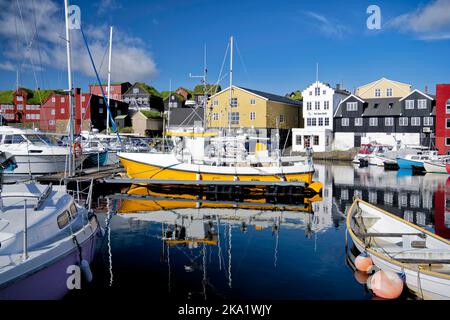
109,78
71,141
204,78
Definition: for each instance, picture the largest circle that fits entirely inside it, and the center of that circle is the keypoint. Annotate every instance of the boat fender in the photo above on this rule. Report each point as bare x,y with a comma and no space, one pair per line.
86,269
386,284
363,262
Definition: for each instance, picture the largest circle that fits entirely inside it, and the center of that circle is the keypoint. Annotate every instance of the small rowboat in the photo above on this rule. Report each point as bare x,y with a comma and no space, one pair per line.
397,245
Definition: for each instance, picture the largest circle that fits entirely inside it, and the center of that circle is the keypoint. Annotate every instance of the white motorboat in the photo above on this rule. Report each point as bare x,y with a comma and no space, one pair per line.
397,245
34,152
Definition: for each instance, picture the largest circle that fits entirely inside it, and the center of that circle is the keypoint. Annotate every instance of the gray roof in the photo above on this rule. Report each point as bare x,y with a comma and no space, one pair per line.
185,116
275,97
382,107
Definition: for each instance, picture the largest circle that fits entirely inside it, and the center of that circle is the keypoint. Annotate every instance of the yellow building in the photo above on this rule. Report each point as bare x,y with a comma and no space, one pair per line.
253,109
383,88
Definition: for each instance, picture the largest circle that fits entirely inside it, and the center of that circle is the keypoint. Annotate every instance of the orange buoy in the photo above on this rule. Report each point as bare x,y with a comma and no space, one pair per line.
363,262
386,284
361,276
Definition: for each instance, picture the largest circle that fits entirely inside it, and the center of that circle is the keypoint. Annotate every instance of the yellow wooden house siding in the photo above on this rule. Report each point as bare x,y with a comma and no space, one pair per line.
291,115
398,89
266,112
244,107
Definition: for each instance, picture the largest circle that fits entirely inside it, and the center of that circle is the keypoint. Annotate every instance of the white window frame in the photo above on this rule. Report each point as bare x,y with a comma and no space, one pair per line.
320,122
447,120
447,106
428,121
253,115
63,111
389,92
377,92
215,102
403,121
422,104
327,121
373,122
326,105
352,106
317,105
215,116
409,104
252,102
359,122
309,105
281,118
345,122
388,121
313,122
233,118
447,141
415,121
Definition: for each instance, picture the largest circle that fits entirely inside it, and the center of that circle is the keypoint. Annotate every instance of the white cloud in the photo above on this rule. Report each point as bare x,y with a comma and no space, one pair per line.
327,27
429,22
7,66
131,61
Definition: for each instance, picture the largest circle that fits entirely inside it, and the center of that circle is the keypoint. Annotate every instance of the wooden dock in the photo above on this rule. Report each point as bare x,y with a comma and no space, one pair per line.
89,174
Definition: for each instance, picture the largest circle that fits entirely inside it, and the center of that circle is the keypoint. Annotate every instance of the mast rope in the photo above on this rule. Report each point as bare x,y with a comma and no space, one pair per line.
101,87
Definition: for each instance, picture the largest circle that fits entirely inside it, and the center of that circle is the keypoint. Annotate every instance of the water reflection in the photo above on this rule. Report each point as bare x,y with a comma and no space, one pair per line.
239,244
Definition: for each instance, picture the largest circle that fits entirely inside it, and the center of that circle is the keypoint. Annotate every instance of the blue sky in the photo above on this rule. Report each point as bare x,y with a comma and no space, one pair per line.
278,42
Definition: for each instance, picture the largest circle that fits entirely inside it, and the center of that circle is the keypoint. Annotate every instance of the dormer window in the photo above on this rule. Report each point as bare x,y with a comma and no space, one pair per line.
391,105
375,105
352,106
135,90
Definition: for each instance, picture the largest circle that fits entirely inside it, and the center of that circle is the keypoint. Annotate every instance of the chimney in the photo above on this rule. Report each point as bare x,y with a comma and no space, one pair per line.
338,86
426,89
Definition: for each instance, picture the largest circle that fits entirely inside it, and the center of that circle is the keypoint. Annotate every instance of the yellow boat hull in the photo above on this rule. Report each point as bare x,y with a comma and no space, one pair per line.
139,170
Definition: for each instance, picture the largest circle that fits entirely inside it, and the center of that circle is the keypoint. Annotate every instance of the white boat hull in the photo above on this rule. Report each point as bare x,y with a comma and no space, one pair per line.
434,167
40,164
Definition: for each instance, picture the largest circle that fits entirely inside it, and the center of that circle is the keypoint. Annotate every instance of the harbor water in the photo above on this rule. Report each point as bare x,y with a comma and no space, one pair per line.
219,250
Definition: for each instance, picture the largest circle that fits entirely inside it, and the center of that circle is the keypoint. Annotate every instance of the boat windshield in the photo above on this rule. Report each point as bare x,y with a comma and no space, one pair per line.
38,139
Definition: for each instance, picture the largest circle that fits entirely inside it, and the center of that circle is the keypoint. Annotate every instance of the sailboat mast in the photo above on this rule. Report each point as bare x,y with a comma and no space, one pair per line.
109,79
70,90
205,93
231,82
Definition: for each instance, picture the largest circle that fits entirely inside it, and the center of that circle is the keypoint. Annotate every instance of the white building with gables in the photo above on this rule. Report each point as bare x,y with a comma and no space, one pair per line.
320,102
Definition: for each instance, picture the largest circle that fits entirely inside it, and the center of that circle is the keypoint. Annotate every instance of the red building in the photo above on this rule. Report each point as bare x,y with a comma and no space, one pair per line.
21,106
90,110
55,111
117,90
443,118
442,210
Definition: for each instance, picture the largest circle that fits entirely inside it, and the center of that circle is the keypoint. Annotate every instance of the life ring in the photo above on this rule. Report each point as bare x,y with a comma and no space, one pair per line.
77,150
